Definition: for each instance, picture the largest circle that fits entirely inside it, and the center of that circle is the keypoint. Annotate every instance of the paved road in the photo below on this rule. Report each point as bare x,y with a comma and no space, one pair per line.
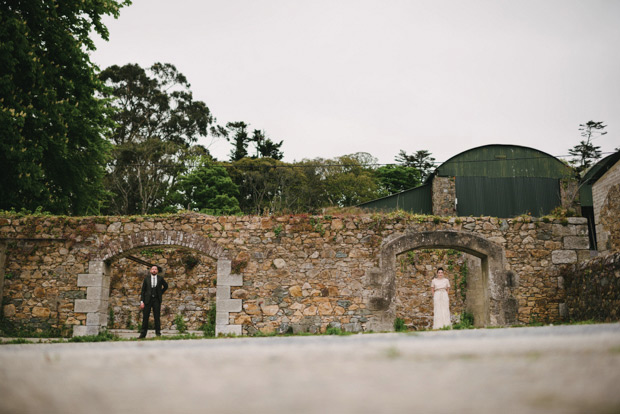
563,369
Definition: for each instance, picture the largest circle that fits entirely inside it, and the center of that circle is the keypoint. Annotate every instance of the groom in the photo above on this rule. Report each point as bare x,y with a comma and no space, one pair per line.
153,288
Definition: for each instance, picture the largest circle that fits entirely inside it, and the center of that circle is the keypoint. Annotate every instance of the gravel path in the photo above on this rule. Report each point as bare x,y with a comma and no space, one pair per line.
562,369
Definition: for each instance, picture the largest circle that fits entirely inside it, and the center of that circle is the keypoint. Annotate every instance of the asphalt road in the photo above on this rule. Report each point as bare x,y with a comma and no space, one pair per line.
561,369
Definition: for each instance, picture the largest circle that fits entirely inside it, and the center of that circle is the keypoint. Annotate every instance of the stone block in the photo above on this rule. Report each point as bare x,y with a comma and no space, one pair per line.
577,220
87,279
221,318
96,267
229,280
229,305
83,330
223,292
96,318
563,256
228,329
576,242
86,305
97,293
223,268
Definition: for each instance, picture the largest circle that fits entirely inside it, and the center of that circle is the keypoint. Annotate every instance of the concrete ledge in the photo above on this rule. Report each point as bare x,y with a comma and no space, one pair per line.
223,292
228,305
96,318
230,280
221,318
87,279
228,329
87,305
223,267
82,330
563,256
97,293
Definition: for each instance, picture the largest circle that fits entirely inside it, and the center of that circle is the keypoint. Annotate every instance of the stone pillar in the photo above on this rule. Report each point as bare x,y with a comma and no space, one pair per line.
95,306
224,304
444,196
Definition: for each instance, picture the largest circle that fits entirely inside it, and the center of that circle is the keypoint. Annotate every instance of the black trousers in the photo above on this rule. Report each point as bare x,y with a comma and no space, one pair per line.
155,305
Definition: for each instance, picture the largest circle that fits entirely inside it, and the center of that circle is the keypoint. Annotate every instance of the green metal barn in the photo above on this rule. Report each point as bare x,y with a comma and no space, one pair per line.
491,180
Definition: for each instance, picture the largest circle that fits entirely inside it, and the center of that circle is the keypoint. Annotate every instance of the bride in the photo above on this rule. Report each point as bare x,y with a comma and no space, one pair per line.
441,310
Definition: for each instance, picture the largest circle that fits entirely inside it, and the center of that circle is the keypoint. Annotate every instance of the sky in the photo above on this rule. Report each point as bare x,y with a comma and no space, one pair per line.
336,77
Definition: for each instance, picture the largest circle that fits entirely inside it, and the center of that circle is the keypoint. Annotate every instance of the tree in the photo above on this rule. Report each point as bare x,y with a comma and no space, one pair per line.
53,125
239,138
420,160
586,152
265,147
157,121
397,178
207,188
269,185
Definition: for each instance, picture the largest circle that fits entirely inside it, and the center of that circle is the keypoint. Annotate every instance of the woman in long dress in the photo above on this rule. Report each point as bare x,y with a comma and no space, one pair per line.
441,309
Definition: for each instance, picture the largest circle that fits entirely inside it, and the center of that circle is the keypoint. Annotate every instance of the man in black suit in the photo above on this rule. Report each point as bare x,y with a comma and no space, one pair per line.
153,288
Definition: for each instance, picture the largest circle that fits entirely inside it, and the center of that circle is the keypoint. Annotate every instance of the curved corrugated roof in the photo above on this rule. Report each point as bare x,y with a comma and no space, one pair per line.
500,160
597,170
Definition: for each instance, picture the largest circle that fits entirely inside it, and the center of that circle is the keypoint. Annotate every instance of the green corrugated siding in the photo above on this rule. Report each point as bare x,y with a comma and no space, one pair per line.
585,195
506,196
503,161
417,200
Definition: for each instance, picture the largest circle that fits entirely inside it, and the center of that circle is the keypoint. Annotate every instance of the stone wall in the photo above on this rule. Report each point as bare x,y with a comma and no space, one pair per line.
606,201
444,196
300,273
593,289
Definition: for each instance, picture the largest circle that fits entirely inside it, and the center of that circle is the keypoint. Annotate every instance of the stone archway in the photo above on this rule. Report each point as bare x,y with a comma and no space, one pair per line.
97,280
500,307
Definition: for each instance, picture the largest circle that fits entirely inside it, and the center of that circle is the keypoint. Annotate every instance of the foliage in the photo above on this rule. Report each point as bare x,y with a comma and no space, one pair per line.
53,147
399,325
334,330
586,152
268,185
467,321
209,327
207,188
238,136
190,261
180,323
103,336
397,178
157,121
420,160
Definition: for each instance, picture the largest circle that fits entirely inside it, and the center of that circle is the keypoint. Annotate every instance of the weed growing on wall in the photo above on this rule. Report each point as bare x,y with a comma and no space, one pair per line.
399,325
180,323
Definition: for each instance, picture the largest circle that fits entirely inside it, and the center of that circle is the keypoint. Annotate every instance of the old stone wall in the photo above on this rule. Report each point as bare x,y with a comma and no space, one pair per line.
444,196
606,201
300,273
593,289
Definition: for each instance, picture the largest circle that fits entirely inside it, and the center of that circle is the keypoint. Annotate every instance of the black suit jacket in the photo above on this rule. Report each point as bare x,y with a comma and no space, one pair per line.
160,288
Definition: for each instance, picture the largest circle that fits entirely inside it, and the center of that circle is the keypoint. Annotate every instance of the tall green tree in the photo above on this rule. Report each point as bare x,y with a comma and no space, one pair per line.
586,153
265,147
207,188
53,125
239,138
269,185
420,160
397,178
157,123
237,134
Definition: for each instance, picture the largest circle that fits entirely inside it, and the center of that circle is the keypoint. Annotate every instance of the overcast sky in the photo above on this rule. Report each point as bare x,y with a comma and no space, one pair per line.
341,76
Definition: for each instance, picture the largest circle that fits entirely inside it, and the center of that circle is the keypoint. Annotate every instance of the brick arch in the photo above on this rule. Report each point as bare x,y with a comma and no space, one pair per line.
121,247
500,305
97,280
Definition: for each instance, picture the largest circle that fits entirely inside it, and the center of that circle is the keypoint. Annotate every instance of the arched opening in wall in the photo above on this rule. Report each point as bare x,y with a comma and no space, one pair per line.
413,299
495,305
191,295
